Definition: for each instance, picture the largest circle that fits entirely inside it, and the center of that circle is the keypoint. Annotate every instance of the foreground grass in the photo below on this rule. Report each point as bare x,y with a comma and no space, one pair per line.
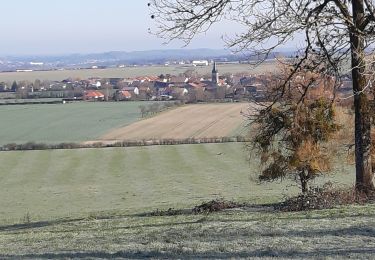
339,233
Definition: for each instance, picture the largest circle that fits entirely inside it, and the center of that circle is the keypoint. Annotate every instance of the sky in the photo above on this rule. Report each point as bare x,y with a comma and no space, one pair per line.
52,27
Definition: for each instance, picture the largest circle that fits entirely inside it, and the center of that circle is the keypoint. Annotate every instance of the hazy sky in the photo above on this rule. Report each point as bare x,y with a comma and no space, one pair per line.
83,26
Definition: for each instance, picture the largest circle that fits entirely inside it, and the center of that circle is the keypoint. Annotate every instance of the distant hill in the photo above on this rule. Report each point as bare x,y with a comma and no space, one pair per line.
115,58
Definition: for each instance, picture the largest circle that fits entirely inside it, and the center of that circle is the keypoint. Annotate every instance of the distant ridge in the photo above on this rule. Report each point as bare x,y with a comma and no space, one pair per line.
115,58
127,56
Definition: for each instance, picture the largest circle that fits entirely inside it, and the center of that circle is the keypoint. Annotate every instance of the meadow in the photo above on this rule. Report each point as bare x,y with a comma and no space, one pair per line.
57,123
132,72
60,183
95,203
98,203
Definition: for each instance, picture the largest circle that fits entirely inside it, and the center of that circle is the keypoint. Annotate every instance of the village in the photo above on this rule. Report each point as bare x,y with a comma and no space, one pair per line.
188,87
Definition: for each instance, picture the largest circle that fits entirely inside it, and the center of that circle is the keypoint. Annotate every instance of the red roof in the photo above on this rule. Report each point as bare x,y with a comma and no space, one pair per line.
147,78
126,94
198,84
94,94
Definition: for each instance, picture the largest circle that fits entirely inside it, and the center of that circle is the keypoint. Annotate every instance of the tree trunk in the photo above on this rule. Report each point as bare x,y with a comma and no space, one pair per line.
364,175
304,180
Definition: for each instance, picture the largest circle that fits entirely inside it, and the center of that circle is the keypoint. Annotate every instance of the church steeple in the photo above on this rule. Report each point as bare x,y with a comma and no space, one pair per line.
215,74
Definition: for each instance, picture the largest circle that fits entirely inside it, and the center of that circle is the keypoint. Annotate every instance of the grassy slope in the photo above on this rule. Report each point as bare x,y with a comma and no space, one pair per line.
339,233
82,204
59,183
63,122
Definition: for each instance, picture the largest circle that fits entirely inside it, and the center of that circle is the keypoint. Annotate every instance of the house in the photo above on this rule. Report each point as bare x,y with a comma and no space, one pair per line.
245,90
115,81
93,95
162,88
146,79
200,63
178,79
179,93
122,95
4,87
131,89
196,85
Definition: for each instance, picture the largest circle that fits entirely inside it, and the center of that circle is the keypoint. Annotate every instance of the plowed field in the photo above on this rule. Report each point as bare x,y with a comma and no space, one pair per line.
198,121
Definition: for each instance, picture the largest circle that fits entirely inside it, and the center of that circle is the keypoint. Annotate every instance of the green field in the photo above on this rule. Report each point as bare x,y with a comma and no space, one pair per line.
58,183
131,72
71,122
93,203
89,203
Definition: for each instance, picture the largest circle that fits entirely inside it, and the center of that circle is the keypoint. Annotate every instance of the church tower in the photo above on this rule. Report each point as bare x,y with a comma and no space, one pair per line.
215,75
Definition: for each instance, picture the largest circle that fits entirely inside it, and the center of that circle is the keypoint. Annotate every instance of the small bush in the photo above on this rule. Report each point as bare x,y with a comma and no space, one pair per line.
325,197
10,147
215,205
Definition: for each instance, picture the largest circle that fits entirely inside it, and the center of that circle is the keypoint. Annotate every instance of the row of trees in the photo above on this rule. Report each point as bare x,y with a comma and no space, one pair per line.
335,32
154,108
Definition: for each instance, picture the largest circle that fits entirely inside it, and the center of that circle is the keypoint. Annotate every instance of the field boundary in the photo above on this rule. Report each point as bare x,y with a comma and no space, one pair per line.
30,146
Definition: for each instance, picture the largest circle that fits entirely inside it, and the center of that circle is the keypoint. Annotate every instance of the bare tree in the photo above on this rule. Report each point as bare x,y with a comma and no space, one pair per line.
335,32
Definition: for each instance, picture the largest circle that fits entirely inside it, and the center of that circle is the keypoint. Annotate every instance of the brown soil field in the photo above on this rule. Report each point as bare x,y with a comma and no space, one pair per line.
198,121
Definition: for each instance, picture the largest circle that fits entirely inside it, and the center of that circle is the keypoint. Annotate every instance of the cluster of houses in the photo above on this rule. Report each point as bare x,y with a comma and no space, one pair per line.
163,87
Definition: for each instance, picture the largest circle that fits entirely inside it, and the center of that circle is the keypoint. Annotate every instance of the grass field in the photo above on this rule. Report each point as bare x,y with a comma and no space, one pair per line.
71,122
90,203
103,121
55,183
329,234
192,121
131,72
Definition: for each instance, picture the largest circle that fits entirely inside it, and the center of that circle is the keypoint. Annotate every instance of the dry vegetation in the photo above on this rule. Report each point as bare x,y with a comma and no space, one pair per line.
191,121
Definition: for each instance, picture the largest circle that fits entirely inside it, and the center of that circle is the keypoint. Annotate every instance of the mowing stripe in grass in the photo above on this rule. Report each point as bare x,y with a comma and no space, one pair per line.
69,162
39,168
21,171
7,163
136,179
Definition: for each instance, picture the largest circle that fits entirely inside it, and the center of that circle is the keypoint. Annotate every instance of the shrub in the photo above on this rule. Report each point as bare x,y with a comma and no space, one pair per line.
10,147
325,197
216,205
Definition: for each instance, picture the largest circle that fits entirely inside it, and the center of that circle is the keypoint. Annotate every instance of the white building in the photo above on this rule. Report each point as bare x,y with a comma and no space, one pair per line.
200,62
